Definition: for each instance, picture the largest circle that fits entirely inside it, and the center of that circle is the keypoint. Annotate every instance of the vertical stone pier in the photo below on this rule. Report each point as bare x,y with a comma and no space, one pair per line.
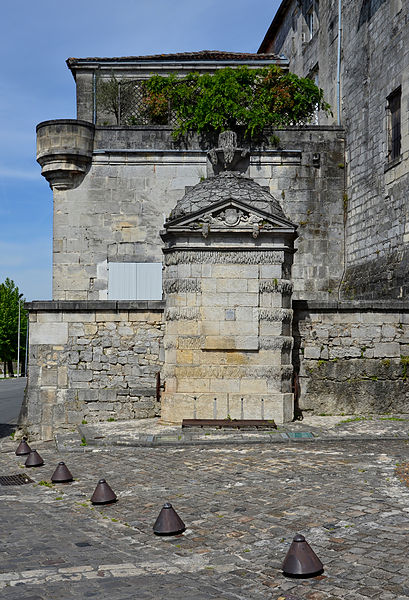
227,280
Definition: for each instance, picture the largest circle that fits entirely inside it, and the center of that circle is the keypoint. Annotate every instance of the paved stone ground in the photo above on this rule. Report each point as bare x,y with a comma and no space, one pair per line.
151,432
241,504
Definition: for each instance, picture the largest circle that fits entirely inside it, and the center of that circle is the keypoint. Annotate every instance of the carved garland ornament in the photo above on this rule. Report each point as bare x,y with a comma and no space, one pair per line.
231,217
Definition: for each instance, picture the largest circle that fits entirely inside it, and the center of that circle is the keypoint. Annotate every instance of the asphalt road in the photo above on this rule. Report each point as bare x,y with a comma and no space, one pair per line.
11,398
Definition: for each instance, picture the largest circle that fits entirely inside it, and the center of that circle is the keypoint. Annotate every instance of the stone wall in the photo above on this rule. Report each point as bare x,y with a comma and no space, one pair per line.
93,362
374,63
352,358
137,174
228,336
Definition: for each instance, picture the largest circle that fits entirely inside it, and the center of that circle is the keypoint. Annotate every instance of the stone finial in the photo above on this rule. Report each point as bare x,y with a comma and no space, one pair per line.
227,156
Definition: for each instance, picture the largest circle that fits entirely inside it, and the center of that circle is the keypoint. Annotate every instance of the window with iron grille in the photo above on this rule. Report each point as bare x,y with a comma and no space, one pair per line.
394,125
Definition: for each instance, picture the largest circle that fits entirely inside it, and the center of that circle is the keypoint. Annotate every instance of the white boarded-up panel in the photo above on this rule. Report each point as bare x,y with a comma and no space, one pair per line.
134,281
149,281
122,279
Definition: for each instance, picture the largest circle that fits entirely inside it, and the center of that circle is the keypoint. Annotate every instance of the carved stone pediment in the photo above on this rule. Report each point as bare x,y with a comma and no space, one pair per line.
229,216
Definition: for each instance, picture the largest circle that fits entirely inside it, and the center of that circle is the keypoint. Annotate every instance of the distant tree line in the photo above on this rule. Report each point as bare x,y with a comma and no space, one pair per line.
10,301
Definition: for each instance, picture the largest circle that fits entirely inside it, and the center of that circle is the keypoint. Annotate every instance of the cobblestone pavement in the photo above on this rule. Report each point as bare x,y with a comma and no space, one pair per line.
241,504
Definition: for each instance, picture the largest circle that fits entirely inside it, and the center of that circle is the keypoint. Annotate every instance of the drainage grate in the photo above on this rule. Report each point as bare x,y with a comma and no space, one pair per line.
15,479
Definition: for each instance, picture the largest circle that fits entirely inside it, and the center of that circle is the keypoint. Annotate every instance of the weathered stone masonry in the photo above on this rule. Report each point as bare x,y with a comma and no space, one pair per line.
352,357
225,329
93,361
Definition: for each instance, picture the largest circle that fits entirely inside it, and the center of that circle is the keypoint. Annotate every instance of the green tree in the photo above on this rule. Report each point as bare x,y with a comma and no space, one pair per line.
115,97
252,99
10,299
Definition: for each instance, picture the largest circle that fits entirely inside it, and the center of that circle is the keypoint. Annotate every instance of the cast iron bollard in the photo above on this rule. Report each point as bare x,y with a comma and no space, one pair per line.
61,474
301,560
23,448
168,522
103,494
34,459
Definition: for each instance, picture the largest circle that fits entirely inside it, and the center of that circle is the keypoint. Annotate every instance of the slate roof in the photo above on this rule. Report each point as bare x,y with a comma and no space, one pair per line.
225,186
209,55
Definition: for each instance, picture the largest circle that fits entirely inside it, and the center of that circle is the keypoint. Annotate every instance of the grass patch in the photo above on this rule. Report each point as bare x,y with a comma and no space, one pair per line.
353,420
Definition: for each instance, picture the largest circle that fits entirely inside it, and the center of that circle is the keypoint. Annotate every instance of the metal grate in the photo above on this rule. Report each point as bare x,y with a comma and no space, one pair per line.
135,108
132,106
230,423
15,479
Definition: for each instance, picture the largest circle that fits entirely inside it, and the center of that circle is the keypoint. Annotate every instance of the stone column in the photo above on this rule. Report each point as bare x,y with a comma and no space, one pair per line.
228,333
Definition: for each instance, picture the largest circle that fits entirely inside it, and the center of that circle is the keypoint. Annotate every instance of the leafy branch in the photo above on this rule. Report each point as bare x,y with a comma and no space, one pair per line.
252,99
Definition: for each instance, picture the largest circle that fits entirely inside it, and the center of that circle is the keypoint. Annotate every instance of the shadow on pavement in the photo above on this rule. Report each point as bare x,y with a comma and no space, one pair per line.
6,429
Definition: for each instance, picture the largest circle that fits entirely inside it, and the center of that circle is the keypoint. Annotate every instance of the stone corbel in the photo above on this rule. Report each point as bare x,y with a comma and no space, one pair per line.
64,151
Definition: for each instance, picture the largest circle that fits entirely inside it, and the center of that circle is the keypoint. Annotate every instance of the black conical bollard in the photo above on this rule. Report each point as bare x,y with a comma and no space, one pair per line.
168,522
103,494
34,459
61,474
301,560
23,448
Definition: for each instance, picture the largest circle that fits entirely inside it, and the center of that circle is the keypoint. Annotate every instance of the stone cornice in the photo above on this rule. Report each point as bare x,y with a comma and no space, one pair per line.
94,305
351,306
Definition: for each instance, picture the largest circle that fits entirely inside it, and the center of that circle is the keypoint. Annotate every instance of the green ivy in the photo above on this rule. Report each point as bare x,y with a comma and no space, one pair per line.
252,99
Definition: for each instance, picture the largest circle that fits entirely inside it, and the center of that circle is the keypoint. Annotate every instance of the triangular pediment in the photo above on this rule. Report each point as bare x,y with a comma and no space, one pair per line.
230,215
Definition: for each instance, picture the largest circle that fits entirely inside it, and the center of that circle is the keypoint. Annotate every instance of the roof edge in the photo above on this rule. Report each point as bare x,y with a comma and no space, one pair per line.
276,22
212,56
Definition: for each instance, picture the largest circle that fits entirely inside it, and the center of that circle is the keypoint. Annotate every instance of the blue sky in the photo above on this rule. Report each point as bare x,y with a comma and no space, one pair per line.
35,85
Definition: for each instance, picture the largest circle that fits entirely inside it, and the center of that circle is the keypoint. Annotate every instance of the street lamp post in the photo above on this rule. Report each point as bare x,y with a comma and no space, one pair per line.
18,339
18,334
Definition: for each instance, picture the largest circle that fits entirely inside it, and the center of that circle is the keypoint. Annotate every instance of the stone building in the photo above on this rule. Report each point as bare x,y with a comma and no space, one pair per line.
357,52
203,278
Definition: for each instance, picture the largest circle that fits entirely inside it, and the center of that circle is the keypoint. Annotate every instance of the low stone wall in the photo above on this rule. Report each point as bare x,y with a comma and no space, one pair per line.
352,357
92,362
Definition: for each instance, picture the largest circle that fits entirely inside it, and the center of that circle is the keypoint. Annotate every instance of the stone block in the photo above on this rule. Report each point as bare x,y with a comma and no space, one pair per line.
176,407
239,328
52,317
111,316
78,317
244,299
215,299
81,376
224,385
232,342
271,271
193,386
231,285
184,357
253,386
48,376
235,271
88,395
210,285
387,350
48,334
312,351
210,328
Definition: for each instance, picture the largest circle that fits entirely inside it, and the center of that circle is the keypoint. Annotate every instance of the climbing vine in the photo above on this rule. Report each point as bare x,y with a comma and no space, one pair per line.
252,99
